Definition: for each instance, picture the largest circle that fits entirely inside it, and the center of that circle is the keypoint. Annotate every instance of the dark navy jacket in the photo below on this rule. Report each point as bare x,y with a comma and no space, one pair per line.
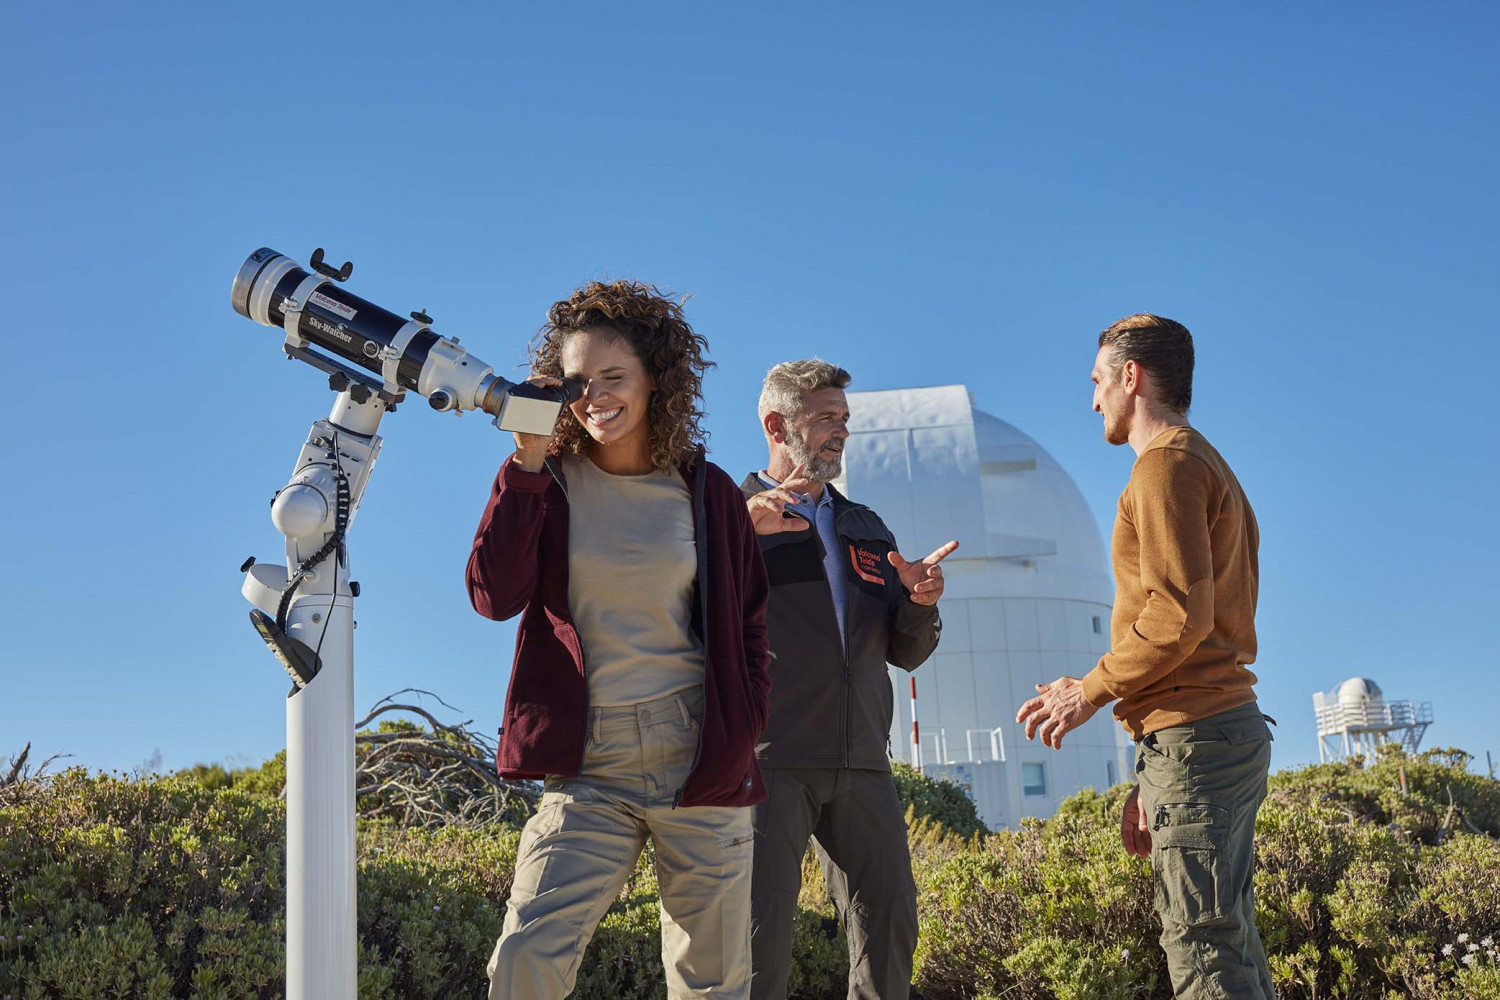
833,701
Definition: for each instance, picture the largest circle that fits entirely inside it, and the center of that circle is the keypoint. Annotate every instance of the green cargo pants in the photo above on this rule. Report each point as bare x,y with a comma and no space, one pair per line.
1201,785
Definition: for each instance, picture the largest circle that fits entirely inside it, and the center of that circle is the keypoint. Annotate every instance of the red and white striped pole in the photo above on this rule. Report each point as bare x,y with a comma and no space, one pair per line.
916,737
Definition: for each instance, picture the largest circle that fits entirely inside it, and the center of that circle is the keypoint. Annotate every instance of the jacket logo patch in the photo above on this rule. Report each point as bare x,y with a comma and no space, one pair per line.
866,565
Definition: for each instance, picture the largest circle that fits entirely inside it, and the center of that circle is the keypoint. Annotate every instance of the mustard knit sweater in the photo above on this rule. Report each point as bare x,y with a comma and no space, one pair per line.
1186,575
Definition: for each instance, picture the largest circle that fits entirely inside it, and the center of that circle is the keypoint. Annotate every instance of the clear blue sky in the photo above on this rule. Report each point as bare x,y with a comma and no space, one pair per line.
956,193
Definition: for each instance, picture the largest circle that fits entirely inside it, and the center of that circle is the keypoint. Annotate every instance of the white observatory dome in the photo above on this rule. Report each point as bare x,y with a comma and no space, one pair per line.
1043,504
935,468
1358,691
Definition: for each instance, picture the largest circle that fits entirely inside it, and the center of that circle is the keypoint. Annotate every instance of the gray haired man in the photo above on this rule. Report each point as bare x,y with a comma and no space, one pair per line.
843,604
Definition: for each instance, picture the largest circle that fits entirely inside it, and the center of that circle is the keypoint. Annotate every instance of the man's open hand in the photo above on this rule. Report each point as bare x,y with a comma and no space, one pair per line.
923,580
1059,709
766,508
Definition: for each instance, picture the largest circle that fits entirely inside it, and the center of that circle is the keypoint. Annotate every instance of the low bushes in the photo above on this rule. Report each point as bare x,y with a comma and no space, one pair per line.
1364,892
938,800
1374,883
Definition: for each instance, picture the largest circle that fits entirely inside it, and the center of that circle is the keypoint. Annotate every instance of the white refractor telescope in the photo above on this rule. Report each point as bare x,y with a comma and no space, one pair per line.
304,609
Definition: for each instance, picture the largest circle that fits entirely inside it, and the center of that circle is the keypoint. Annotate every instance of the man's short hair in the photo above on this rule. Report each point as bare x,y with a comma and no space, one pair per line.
787,385
1161,346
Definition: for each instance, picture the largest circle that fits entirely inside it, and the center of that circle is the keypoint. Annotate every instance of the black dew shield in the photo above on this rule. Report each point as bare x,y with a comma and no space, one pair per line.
332,319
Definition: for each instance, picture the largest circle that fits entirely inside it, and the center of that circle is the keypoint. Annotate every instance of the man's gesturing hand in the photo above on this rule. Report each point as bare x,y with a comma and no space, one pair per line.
1135,832
923,580
1058,710
766,508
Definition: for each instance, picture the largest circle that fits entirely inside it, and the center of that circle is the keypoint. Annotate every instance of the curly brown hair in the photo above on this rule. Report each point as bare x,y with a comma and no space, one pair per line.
652,325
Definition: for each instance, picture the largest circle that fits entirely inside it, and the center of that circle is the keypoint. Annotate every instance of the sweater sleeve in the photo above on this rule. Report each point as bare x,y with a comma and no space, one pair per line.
1168,504
502,570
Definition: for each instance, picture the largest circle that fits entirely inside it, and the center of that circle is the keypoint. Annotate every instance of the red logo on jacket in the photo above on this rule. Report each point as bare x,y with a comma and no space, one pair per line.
866,564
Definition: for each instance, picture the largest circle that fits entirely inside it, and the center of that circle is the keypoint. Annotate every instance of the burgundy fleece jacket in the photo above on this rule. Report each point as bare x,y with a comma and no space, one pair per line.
519,565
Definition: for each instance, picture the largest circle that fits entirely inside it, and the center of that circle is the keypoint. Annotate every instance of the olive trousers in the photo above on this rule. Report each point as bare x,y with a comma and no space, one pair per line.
854,818
1201,785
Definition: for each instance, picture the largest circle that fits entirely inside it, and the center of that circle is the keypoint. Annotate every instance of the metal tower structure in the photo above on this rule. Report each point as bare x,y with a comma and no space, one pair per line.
1355,718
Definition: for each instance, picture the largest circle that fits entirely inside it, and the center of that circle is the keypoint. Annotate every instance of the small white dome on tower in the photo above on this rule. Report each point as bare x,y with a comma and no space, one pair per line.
1359,691
1355,718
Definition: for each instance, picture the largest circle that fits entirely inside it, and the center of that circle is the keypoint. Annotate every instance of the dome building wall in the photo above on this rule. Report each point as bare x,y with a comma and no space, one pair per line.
1028,594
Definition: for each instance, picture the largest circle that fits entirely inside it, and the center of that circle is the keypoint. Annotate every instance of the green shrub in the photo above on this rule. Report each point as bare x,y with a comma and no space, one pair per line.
165,887
266,781
155,887
430,907
937,799
1054,909
1360,886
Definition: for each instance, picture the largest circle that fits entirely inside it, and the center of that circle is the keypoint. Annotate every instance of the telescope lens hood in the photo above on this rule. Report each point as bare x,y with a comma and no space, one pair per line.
244,281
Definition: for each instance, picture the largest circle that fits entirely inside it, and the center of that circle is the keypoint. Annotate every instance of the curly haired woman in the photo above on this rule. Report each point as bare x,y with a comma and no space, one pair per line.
640,681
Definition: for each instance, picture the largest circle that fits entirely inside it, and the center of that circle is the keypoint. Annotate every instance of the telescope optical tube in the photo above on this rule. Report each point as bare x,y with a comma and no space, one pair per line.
331,317
402,354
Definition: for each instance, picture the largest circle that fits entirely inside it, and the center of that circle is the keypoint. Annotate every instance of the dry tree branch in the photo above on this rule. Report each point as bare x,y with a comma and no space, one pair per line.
17,763
25,778
437,775
393,694
1447,820
1456,813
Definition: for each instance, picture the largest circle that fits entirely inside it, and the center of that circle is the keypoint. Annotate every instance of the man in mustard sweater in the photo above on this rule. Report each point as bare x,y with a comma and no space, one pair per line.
1182,633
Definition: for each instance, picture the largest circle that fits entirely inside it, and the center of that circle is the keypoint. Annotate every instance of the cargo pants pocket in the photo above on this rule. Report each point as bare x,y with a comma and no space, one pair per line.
1188,841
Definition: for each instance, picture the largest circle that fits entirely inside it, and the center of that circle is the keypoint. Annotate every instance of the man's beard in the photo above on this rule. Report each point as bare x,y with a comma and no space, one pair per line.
817,468
1116,430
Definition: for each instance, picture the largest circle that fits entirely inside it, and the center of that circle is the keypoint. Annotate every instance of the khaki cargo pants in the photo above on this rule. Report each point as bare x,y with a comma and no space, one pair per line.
579,849
1201,785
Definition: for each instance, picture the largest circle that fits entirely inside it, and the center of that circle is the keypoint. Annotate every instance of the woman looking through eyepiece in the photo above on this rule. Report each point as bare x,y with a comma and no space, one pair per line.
640,680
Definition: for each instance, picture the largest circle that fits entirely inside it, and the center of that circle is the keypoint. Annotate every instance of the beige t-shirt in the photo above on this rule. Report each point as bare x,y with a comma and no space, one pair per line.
632,562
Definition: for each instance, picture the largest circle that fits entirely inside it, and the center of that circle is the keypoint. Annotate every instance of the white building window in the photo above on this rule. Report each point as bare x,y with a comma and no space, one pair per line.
1034,779
1111,773
1098,626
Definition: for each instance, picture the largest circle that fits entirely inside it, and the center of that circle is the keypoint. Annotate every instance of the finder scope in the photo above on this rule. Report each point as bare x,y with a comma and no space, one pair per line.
370,350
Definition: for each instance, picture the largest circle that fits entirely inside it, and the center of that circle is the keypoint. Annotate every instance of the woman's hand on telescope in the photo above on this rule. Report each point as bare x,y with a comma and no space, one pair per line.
531,449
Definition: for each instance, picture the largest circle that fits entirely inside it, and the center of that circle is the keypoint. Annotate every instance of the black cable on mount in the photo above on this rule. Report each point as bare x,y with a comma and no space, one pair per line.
343,554
335,540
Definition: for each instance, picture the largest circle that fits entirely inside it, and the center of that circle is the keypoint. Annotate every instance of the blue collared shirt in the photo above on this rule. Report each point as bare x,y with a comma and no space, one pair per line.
820,515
